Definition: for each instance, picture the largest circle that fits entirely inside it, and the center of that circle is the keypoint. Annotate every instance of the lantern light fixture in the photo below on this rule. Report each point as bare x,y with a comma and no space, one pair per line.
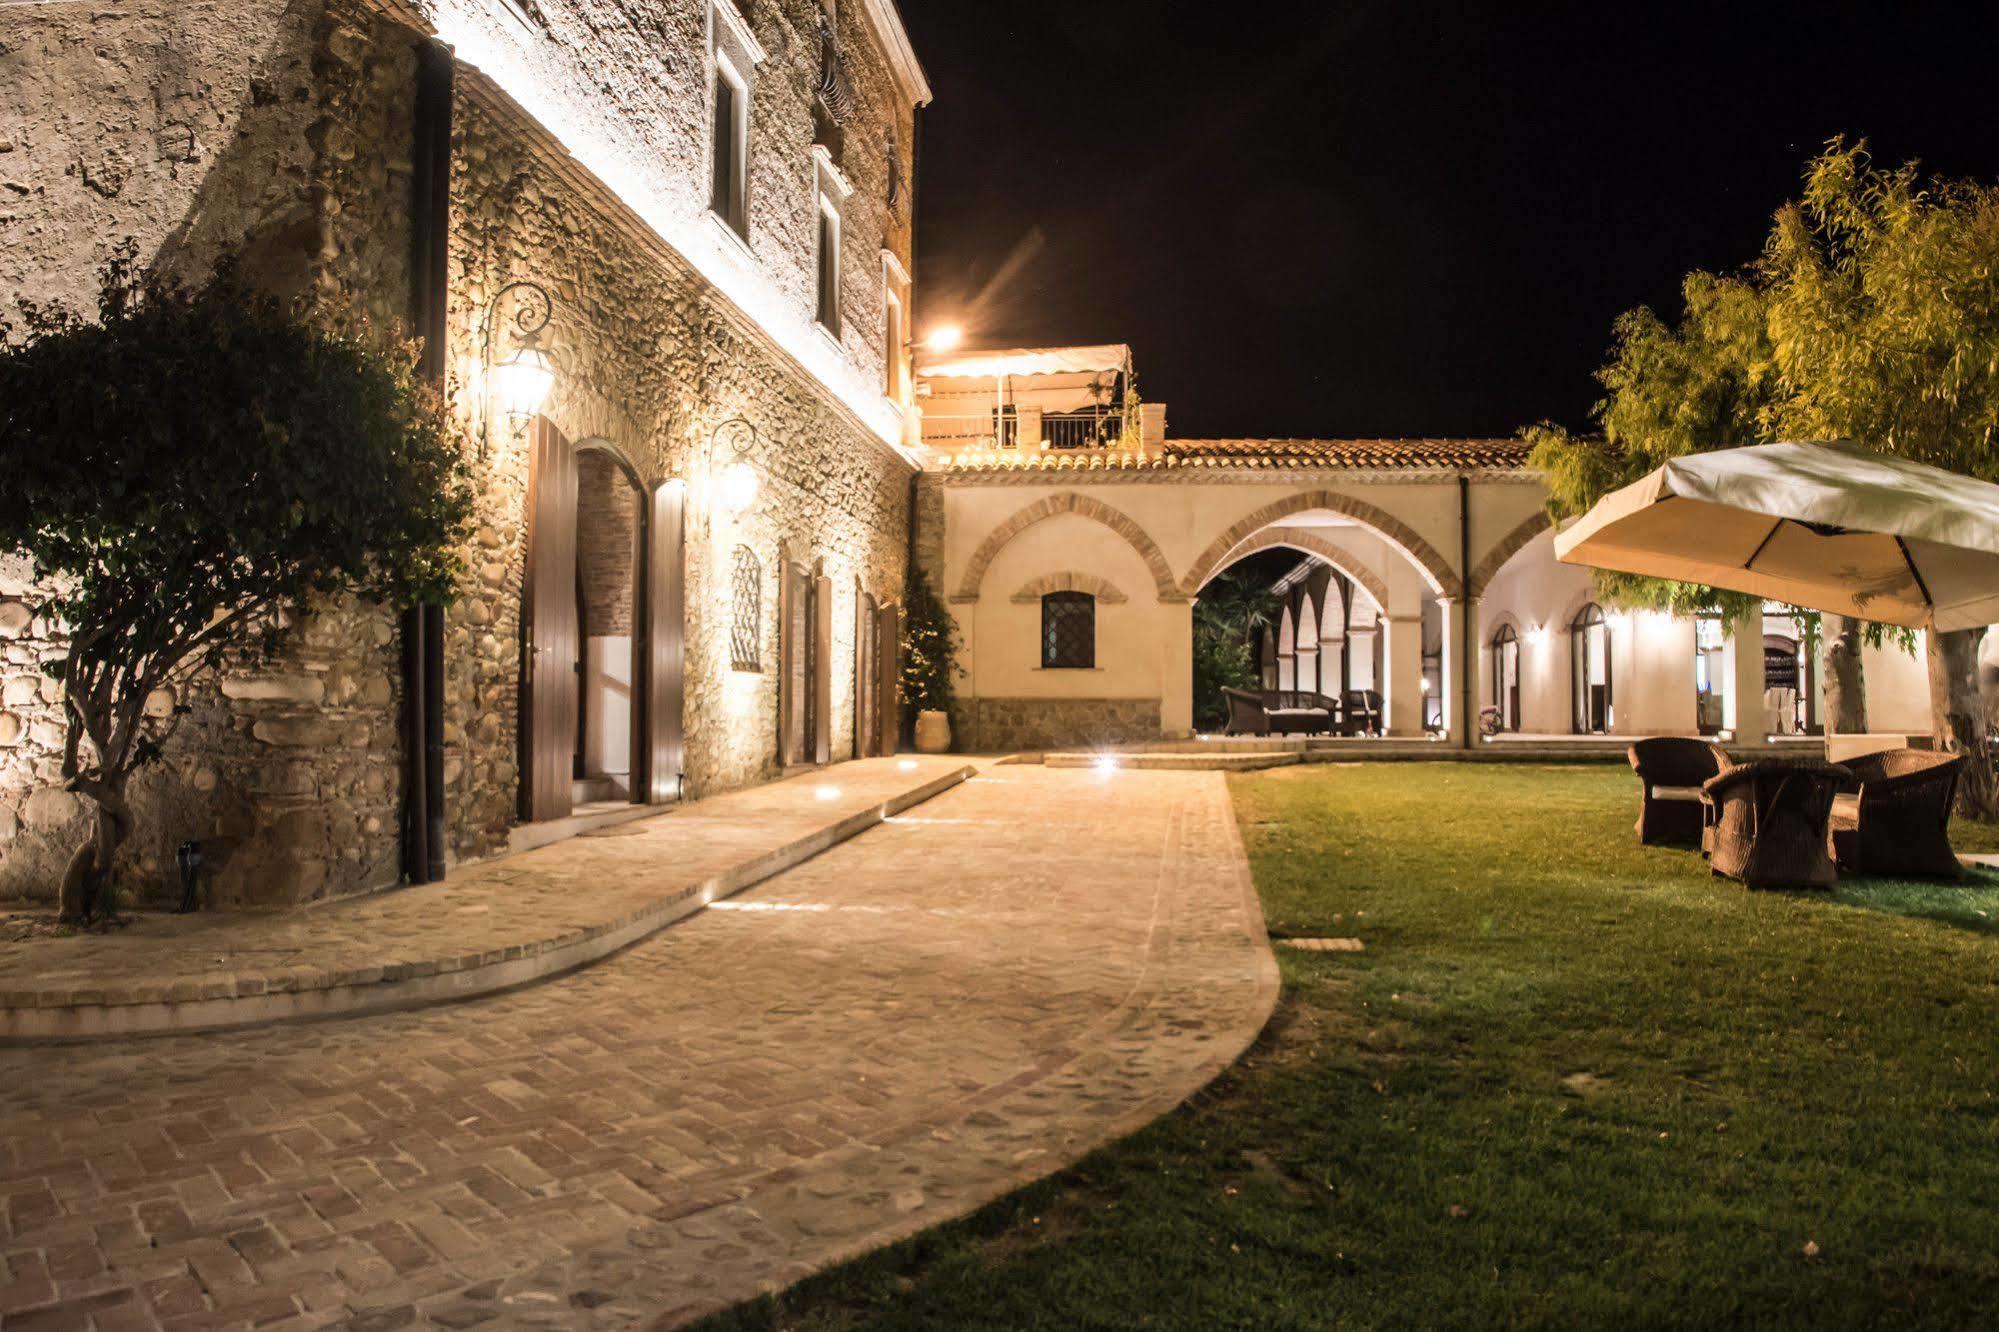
945,337
520,385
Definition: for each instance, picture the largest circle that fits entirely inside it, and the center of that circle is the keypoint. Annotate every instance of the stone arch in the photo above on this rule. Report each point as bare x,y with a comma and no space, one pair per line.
1436,570
1082,506
1309,543
1071,581
1509,546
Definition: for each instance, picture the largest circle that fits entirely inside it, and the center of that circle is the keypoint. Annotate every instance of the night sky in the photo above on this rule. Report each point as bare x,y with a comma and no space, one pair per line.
1391,218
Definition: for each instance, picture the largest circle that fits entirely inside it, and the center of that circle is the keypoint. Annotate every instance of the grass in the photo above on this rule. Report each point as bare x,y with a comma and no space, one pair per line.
1571,1081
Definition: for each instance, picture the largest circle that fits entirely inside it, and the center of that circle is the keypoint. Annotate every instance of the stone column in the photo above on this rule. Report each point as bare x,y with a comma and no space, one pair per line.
1405,675
1331,644
1742,710
1028,427
1307,670
1360,655
1176,678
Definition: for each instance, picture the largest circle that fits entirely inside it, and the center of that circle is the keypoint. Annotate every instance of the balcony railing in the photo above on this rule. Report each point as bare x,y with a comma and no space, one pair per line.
1067,431
1082,430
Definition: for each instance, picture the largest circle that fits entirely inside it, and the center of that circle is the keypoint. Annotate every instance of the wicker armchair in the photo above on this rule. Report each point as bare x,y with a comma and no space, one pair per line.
1671,771
1893,815
1246,713
1771,820
1361,713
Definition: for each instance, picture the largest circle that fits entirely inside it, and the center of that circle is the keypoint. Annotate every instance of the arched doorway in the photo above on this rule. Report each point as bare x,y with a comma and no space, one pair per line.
1590,671
602,629
1506,677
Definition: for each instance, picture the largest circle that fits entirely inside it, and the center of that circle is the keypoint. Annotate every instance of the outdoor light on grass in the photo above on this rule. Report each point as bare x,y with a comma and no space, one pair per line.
520,384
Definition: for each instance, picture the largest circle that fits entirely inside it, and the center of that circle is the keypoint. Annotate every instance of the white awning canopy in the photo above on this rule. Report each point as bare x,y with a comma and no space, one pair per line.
1113,356
1830,527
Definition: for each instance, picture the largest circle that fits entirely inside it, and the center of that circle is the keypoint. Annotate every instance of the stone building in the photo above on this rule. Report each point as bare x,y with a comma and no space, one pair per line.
693,218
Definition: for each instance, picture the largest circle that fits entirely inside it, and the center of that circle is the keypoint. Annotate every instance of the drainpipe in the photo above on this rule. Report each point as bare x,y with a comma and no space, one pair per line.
1467,689
423,626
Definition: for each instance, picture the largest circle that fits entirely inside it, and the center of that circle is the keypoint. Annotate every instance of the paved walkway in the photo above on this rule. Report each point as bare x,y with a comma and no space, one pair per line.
894,1033
488,926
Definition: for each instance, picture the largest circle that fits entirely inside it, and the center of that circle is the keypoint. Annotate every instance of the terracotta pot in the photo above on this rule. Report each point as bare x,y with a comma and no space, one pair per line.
933,733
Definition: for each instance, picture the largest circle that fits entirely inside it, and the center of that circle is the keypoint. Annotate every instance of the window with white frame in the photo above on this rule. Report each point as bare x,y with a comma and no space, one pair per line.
735,55
895,330
826,309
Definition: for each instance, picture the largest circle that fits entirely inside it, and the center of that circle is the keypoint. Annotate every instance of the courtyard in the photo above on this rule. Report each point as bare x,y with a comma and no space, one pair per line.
1571,1081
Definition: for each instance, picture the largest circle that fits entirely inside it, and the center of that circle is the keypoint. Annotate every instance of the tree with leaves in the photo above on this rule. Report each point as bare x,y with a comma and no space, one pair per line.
1872,315
192,472
1231,611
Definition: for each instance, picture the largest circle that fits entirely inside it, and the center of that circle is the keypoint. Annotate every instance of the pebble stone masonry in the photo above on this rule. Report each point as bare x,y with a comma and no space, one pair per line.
859,1048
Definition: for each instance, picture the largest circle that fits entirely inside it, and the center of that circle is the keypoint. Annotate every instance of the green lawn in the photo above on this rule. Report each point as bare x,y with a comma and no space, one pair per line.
1571,1081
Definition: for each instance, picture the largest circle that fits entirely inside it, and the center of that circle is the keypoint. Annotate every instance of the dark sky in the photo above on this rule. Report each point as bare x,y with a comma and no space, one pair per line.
1393,218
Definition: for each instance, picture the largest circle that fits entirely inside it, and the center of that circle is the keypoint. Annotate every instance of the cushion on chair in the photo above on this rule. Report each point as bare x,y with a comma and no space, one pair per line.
1692,794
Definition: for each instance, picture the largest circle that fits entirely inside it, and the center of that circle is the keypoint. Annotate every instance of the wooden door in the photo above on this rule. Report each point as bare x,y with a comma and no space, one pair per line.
665,750
796,679
550,648
822,670
867,623
888,680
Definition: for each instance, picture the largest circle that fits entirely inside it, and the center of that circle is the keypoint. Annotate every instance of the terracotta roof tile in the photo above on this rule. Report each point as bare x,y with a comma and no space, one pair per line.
1177,454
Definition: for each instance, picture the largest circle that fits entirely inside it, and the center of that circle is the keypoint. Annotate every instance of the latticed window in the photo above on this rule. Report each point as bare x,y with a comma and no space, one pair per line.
746,616
1068,631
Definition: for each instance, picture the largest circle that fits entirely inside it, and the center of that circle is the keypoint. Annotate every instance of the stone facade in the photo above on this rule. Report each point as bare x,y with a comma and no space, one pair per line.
283,129
1027,725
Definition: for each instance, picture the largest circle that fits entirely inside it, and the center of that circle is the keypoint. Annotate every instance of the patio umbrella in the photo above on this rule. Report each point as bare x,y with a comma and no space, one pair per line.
1830,527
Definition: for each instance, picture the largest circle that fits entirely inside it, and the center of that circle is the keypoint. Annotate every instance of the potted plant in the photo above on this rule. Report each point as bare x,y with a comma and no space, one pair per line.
929,662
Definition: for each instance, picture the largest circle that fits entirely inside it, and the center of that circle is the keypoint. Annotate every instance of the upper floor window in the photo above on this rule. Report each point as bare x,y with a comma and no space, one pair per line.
895,329
736,54
827,309
731,146
1068,631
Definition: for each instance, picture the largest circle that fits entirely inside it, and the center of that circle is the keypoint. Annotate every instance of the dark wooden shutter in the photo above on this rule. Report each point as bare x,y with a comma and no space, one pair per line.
822,670
666,644
549,692
795,664
888,678
867,733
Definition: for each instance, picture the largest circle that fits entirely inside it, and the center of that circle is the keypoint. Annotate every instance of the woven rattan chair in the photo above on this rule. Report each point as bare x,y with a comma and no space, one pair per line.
1671,770
1771,820
1361,714
1300,711
1893,815
1246,713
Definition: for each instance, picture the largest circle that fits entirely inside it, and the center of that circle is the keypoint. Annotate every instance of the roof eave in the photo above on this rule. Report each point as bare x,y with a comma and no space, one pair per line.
887,22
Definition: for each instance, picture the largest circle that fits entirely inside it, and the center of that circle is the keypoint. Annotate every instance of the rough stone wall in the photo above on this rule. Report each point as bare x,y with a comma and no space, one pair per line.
1025,725
650,361
627,85
179,124
607,532
281,130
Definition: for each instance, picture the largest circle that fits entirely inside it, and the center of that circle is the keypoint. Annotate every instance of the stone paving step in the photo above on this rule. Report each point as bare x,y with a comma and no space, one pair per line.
1237,761
490,926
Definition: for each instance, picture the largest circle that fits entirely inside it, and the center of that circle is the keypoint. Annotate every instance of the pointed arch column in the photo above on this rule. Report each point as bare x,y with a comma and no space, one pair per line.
1404,667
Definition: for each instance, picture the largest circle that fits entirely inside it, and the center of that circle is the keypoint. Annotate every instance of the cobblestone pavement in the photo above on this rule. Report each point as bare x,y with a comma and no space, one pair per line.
892,1034
481,914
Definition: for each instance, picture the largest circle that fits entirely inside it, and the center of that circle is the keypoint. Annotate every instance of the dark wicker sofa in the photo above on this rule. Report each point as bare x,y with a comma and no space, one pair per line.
1771,820
1280,712
1892,815
1671,771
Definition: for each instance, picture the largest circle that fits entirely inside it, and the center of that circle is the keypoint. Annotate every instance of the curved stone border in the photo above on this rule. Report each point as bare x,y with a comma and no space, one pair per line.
1496,558
1082,506
152,1008
1103,589
1436,570
1299,539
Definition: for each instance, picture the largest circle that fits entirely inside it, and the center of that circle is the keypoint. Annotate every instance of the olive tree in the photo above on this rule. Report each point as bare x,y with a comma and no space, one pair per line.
1884,323
1872,315
190,472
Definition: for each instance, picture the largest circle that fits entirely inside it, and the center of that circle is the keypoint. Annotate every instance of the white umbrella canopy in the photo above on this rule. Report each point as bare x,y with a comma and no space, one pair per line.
1830,527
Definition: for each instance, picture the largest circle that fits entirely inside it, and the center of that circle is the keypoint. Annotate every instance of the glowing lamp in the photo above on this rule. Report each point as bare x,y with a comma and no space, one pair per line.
522,384
945,338
739,486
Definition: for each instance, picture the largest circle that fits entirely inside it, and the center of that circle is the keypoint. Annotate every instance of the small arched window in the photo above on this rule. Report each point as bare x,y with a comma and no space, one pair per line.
1506,677
1068,631
1590,670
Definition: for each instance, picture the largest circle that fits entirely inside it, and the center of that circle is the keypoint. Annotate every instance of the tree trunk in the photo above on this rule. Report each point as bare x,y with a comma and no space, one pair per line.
86,883
1841,674
1958,716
